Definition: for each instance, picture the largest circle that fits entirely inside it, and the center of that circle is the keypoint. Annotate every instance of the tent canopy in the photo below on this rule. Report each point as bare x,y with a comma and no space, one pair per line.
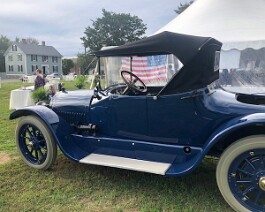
238,24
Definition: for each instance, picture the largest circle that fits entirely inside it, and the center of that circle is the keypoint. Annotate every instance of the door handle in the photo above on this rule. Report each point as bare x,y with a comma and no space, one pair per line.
193,95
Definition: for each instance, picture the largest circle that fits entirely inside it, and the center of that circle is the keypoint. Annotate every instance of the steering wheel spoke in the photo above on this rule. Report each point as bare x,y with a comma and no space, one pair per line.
131,84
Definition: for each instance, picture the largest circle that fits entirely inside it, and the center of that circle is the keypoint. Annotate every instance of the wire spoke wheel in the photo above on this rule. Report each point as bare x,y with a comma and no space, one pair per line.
247,179
35,143
240,174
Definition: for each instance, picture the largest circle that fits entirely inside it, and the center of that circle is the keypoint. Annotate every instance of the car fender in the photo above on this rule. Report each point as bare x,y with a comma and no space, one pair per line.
60,130
48,116
238,123
44,113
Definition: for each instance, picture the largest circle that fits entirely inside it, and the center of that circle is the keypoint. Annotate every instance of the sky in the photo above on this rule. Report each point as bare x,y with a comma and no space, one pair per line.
61,23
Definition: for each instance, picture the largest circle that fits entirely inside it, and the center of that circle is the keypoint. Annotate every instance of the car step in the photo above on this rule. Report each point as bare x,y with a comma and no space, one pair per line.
126,163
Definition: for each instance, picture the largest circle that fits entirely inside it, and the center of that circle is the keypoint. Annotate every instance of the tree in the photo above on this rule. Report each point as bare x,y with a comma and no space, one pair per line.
28,40
17,39
183,7
113,29
4,44
85,62
32,40
67,65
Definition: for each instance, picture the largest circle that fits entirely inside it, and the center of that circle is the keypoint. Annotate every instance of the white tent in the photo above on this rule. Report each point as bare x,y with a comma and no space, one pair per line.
238,24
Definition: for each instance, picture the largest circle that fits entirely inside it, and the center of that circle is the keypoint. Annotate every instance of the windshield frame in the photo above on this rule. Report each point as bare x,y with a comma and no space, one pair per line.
169,61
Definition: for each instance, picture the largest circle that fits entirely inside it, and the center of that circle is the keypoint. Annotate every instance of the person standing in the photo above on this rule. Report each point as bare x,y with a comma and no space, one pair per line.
39,81
51,92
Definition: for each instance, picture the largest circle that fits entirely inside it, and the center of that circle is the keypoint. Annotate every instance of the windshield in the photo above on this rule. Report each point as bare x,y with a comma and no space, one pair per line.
154,70
243,71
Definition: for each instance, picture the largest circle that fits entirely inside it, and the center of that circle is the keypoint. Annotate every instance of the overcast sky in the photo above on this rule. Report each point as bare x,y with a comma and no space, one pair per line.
61,23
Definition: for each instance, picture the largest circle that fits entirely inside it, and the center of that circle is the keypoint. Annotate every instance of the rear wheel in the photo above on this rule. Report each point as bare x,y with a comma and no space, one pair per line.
240,174
35,143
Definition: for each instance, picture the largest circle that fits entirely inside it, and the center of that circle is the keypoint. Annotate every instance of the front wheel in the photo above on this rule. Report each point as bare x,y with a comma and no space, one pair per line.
35,143
240,174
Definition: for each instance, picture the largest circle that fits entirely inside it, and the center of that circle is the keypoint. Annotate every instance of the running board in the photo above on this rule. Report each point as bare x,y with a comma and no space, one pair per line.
126,163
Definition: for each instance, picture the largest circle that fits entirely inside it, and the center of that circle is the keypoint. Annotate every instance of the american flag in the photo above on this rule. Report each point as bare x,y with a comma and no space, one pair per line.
150,69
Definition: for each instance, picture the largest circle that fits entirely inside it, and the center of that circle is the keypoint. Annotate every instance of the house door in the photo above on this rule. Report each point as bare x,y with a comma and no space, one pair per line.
45,70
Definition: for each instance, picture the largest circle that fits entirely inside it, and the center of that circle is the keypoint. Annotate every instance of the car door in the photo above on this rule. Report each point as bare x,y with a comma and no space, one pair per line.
121,119
172,123
171,119
128,116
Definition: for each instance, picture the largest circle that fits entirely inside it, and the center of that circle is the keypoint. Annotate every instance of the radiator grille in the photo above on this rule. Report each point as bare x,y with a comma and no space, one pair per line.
73,118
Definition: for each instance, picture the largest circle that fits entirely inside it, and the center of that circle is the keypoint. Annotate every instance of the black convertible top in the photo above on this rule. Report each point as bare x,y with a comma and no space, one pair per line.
197,54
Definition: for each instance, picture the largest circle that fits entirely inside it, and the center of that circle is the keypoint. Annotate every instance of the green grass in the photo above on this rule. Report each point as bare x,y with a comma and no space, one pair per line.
70,186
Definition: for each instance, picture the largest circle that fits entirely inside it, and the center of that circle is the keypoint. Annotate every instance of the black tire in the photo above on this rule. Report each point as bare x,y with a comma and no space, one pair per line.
240,174
35,143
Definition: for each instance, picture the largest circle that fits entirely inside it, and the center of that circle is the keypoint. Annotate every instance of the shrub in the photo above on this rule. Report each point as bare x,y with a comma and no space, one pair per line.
80,81
40,95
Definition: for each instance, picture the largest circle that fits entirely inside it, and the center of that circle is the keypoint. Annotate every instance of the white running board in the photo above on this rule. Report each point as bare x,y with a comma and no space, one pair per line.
126,163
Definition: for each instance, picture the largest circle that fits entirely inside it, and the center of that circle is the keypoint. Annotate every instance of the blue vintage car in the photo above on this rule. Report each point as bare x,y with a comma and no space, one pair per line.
157,109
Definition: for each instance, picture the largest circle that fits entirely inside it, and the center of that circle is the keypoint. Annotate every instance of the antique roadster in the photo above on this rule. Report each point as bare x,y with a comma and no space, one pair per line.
156,108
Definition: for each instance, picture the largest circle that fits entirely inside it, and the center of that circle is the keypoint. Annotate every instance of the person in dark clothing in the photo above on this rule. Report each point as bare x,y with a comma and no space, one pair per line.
61,87
39,81
51,91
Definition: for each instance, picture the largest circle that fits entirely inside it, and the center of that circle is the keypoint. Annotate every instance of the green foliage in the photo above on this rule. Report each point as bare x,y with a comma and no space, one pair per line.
67,65
4,44
80,81
32,40
28,40
113,29
85,62
183,7
40,95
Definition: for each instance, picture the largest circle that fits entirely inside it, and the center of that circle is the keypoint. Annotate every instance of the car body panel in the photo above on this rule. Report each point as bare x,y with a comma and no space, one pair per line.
173,123
178,125
53,76
162,112
42,112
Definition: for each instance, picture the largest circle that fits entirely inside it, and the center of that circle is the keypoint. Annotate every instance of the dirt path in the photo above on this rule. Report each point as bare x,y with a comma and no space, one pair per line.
4,158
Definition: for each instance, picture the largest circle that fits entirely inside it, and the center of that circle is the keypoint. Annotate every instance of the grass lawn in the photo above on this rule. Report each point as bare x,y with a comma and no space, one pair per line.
70,186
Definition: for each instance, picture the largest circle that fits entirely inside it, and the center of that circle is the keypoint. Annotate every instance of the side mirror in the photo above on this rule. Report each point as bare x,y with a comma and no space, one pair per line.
96,91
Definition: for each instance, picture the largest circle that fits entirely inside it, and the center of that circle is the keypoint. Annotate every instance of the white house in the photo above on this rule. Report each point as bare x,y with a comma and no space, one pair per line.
23,59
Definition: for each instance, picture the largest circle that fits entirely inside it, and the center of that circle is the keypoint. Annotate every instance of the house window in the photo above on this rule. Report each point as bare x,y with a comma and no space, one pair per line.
34,68
10,57
19,57
11,68
55,69
14,48
55,59
44,58
34,58
20,68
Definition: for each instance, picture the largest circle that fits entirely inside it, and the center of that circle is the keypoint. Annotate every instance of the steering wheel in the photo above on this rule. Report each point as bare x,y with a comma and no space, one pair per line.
131,82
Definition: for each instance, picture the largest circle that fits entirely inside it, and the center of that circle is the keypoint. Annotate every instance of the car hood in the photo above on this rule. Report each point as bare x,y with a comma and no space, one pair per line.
72,98
73,106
